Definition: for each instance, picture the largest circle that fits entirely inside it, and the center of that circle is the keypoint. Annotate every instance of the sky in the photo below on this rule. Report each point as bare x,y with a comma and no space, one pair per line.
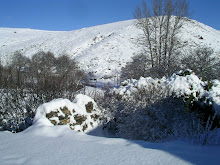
65,15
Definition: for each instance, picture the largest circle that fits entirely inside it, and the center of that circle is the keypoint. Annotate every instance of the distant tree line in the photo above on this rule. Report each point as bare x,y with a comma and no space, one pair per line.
41,73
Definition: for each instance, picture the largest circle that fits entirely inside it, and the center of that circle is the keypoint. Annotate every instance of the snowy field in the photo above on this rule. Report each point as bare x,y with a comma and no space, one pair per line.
59,145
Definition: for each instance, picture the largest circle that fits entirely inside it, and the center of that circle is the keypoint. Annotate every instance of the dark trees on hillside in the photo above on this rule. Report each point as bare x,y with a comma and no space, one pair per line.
43,72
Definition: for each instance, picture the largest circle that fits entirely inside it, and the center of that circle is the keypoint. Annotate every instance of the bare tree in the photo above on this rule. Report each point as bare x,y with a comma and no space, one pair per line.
161,22
20,65
42,69
70,76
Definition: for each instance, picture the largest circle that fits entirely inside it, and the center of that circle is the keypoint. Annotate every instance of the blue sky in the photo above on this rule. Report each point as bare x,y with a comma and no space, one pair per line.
76,14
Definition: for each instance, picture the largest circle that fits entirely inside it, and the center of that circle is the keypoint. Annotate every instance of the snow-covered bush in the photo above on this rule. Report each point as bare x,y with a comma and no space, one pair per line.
17,109
201,97
155,118
159,109
81,115
183,84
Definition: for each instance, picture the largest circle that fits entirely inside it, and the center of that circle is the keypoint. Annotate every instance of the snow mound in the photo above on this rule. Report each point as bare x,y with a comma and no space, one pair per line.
180,84
82,115
186,83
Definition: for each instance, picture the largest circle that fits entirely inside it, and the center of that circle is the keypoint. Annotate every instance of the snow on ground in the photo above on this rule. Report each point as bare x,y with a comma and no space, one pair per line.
102,49
198,34
59,145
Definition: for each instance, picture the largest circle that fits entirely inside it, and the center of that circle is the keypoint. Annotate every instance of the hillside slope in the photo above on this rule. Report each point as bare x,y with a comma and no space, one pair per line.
102,49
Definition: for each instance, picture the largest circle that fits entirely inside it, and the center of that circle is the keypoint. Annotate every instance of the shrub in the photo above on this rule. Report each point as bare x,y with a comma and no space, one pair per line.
181,106
203,63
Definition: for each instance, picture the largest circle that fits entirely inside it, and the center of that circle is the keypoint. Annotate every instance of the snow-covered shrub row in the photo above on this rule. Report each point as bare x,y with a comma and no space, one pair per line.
81,115
159,109
17,108
180,84
200,96
153,117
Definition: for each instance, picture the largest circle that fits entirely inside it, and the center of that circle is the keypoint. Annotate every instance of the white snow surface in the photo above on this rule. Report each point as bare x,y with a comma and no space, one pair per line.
39,145
102,49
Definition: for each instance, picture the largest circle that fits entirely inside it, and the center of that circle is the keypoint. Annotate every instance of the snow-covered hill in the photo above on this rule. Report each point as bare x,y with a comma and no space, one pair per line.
102,49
